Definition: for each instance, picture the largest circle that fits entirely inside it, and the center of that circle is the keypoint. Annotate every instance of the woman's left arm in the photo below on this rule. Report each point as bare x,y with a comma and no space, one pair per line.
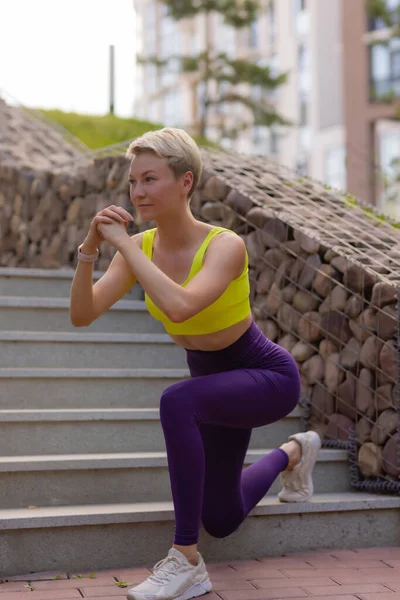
224,261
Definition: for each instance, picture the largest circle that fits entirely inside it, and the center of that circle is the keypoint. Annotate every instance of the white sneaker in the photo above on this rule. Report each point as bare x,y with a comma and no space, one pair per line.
297,483
173,578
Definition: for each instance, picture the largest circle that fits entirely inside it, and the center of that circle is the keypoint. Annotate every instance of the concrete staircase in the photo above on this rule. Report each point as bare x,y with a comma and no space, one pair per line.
83,473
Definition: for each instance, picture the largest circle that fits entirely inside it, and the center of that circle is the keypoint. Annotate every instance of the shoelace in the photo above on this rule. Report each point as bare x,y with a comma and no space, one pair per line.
163,570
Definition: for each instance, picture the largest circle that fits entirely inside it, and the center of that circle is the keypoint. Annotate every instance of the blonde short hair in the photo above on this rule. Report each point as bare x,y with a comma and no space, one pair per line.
180,150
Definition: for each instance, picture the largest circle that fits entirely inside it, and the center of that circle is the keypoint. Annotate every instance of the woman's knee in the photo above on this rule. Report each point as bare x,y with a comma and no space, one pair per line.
217,528
173,402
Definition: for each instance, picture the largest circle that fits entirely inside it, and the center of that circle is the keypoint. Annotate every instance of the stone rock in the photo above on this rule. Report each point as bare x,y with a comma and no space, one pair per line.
287,341
74,210
274,257
383,398
258,216
288,318
215,189
269,328
302,351
339,427
363,430
212,211
346,398
265,280
274,300
304,301
313,369
340,263
335,326
391,456
370,460
388,359
335,300
370,352
292,247
309,327
387,322
383,294
365,393
354,306
259,307
386,424
254,248
283,272
312,264
308,244
326,348
288,293
274,232
358,329
334,374
322,403
324,280
350,354
358,280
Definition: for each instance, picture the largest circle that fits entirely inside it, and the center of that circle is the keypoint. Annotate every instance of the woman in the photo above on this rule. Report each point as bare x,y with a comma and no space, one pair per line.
195,279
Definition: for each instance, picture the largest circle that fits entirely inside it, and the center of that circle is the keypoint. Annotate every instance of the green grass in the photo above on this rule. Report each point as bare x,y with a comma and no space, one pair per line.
97,131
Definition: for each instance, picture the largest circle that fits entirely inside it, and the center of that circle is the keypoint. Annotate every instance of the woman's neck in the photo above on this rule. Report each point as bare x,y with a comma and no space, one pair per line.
178,231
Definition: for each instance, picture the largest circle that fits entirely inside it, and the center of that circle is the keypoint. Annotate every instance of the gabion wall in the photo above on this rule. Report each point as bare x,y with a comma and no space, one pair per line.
325,280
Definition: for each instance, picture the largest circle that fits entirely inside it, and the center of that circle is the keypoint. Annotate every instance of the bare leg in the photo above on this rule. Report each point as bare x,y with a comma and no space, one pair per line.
189,551
293,450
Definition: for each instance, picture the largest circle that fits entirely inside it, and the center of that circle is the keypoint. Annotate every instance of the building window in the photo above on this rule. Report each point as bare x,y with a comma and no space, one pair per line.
171,100
254,35
385,71
260,140
151,78
335,168
150,27
304,70
301,17
271,22
224,37
393,14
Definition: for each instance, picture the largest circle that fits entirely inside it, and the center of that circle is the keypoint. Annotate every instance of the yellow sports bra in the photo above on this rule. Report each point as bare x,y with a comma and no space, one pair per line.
230,308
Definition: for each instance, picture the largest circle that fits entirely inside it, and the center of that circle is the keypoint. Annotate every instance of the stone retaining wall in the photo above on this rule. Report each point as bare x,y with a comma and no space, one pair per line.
337,318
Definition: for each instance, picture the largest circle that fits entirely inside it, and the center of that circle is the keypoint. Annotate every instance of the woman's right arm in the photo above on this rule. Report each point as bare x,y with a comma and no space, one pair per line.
88,301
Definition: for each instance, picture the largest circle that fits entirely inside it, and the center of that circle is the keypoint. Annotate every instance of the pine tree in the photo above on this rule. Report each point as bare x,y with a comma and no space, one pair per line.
227,75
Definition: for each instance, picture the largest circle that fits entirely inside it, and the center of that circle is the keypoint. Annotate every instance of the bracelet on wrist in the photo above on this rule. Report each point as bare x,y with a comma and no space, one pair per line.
87,257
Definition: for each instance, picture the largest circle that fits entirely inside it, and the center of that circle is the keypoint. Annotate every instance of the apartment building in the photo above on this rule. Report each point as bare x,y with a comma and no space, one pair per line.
322,44
371,75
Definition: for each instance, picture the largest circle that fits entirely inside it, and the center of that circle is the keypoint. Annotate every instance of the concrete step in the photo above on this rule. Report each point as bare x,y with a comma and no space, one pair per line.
41,388
89,538
55,480
92,350
46,283
77,431
52,314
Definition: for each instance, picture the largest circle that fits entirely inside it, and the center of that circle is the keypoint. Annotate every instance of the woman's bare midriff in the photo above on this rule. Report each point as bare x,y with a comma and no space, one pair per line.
214,341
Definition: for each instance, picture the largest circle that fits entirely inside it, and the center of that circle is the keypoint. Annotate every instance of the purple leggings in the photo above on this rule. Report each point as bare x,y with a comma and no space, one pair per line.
207,422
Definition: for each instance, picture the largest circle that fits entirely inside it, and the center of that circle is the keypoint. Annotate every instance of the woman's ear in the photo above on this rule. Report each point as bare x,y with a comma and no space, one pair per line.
188,181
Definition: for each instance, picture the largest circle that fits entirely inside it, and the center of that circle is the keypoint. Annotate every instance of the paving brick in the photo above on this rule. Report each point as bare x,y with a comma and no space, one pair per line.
106,591
226,585
389,596
365,576
269,594
276,583
394,586
392,563
42,595
74,583
284,563
38,576
261,572
13,586
331,572
359,563
354,589
380,553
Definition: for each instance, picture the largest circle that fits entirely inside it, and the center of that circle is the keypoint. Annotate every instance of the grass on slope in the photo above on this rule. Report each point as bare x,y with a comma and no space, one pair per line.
97,131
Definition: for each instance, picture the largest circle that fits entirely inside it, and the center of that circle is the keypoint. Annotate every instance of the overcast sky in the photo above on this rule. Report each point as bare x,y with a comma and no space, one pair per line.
54,53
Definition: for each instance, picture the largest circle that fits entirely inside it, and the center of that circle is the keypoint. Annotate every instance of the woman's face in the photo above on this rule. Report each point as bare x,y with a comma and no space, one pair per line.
154,190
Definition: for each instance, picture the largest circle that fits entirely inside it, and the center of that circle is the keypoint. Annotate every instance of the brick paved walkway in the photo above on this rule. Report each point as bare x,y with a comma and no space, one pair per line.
363,574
